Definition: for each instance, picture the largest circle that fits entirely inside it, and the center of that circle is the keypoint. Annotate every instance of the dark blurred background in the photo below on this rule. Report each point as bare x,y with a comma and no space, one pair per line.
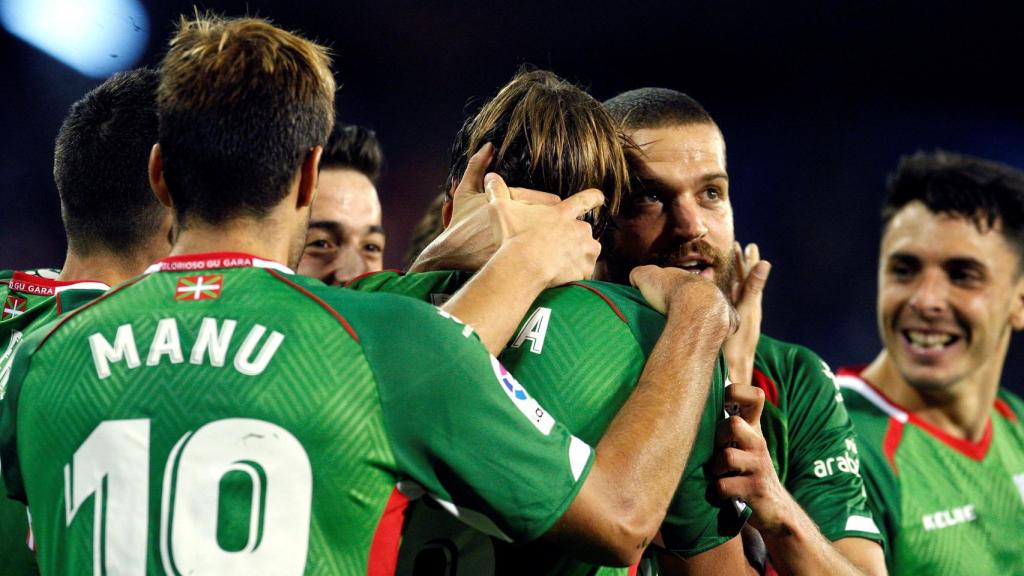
817,101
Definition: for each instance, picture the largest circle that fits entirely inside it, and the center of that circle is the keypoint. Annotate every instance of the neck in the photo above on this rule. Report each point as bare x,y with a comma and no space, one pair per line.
961,410
263,238
103,267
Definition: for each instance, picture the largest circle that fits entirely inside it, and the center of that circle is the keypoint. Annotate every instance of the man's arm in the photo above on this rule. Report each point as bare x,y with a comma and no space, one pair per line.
795,545
641,456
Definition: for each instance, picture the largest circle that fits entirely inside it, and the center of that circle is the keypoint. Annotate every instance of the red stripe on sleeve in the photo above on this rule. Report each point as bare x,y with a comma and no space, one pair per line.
384,549
633,569
326,306
771,391
606,299
893,435
1003,408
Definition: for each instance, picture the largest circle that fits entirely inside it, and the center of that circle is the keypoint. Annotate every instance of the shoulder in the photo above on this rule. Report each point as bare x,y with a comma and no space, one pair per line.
872,413
776,354
421,285
1010,405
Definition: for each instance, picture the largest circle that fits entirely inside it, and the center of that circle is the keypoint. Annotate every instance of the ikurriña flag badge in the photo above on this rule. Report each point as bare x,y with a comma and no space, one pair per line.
205,287
14,306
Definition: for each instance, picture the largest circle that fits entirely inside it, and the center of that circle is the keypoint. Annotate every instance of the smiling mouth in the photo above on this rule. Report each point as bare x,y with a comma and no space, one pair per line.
693,266
929,340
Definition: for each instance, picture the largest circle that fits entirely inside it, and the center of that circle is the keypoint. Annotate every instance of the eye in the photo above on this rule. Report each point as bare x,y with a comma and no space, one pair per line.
713,193
373,247
965,276
319,244
901,270
646,198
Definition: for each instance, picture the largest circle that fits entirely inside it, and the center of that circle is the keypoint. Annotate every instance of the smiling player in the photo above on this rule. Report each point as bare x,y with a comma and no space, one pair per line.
942,446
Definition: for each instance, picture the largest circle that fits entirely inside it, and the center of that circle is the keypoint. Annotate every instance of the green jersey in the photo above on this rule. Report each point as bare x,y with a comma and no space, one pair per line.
945,505
582,348
220,415
30,299
811,439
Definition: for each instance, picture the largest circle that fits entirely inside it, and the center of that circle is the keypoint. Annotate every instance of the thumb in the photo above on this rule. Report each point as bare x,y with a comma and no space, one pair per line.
496,189
475,169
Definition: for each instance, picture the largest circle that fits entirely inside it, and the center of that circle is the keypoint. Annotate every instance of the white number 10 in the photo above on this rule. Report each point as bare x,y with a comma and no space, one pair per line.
113,465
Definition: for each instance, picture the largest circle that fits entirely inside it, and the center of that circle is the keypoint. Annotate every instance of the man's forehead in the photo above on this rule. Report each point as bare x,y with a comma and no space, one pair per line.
916,229
692,144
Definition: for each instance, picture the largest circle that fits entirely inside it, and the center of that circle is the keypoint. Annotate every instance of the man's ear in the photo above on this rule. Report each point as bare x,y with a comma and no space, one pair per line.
1017,307
309,174
448,206
156,177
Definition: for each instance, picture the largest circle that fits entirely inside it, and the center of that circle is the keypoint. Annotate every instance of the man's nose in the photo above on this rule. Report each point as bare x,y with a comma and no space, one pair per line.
930,296
347,265
687,220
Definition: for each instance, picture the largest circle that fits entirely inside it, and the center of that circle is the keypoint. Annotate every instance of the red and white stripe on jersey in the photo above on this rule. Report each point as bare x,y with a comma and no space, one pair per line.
31,284
214,261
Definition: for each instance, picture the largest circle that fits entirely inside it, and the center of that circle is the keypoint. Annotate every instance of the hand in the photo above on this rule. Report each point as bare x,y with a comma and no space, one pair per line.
684,293
747,291
742,463
551,239
469,240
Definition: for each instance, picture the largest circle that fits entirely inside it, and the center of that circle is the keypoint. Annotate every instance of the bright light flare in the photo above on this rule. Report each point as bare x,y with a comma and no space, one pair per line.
95,37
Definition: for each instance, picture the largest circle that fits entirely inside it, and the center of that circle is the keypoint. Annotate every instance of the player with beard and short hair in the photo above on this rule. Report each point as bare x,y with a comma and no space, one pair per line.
583,346
114,225
345,237
796,462
220,414
942,445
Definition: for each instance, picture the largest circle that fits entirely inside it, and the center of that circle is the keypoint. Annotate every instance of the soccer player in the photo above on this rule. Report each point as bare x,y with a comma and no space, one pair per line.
114,225
222,415
345,237
583,345
941,445
804,488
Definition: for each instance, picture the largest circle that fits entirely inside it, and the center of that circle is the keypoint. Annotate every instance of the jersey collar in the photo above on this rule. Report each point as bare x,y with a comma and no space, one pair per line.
31,284
852,377
214,261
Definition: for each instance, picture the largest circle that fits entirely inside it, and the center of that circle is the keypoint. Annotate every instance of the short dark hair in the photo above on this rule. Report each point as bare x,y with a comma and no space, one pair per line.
241,103
356,148
548,135
656,108
987,193
100,165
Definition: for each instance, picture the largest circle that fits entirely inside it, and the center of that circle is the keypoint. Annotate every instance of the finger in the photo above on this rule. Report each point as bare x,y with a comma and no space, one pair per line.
737,433
736,290
582,202
472,178
735,487
752,254
753,288
733,462
745,401
496,189
534,196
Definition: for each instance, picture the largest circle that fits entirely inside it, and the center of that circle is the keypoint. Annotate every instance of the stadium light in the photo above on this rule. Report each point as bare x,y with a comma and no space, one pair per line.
95,37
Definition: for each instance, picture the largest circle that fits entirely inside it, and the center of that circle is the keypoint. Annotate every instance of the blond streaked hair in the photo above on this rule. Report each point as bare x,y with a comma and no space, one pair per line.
241,103
549,135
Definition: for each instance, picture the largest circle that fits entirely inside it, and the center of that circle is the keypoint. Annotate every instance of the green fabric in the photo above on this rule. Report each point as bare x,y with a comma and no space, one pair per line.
942,509
18,559
811,439
582,360
316,430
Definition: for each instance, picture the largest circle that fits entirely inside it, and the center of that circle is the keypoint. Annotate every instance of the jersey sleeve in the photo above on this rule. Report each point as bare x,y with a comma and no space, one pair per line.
824,463
467,432
880,481
10,467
